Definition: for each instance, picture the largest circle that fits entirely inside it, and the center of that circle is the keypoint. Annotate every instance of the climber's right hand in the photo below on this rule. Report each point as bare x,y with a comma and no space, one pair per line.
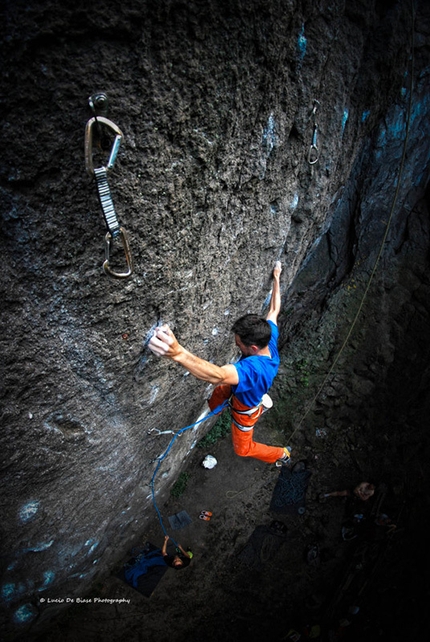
164,343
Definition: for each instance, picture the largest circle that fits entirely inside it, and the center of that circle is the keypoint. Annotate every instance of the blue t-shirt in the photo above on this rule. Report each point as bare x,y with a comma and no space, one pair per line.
256,373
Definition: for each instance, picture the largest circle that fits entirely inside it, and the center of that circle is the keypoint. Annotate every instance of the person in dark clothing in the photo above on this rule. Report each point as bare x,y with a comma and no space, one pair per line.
179,561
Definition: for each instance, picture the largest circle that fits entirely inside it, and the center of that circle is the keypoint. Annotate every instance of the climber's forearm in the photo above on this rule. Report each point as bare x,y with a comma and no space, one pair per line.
165,344
164,549
182,551
275,299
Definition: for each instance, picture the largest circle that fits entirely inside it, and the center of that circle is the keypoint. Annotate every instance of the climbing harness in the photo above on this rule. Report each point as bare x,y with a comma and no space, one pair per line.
162,457
313,149
94,132
253,413
242,416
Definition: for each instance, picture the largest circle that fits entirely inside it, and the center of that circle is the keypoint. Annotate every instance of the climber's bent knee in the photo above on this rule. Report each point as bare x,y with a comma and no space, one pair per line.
241,449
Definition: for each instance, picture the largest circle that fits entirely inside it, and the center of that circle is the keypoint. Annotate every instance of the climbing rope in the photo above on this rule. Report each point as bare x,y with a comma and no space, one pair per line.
372,274
162,457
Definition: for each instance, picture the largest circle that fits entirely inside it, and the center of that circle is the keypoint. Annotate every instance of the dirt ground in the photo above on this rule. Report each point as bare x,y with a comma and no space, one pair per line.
219,597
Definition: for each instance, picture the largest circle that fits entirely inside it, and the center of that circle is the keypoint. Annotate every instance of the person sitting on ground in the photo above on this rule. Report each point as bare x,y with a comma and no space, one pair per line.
245,383
148,558
178,561
355,523
363,491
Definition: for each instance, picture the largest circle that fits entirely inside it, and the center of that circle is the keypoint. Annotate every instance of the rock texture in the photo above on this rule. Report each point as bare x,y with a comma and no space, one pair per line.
219,103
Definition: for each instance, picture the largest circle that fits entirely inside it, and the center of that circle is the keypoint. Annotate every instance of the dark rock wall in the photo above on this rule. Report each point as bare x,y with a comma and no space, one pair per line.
212,182
357,313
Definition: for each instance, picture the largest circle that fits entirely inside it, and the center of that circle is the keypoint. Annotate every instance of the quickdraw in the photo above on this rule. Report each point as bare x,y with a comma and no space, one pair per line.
160,432
100,174
313,149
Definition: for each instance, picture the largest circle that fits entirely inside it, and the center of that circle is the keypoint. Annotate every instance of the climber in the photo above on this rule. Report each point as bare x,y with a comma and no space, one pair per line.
245,383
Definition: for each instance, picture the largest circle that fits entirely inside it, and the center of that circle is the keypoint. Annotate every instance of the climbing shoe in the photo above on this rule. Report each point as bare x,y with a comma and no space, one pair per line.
286,460
205,515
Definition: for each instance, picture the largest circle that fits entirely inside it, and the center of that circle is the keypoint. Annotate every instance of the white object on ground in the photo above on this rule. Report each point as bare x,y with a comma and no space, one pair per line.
209,462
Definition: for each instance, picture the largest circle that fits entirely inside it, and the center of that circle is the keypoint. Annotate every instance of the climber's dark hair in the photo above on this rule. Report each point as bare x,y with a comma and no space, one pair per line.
253,330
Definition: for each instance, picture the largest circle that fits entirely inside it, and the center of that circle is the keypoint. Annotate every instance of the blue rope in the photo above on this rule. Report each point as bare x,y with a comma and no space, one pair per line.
162,457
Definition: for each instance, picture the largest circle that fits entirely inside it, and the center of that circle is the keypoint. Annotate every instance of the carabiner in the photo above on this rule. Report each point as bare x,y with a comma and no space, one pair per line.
100,174
315,107
128,258
160,432
89,135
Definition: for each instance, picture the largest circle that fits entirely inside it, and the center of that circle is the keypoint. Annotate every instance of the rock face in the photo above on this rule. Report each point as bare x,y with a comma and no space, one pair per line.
219,103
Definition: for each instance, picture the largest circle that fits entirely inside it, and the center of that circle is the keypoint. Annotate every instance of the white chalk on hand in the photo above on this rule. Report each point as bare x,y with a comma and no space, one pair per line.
156,347
160,342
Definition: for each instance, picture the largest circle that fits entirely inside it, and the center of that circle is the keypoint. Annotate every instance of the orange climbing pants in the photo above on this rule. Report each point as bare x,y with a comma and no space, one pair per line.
243,442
